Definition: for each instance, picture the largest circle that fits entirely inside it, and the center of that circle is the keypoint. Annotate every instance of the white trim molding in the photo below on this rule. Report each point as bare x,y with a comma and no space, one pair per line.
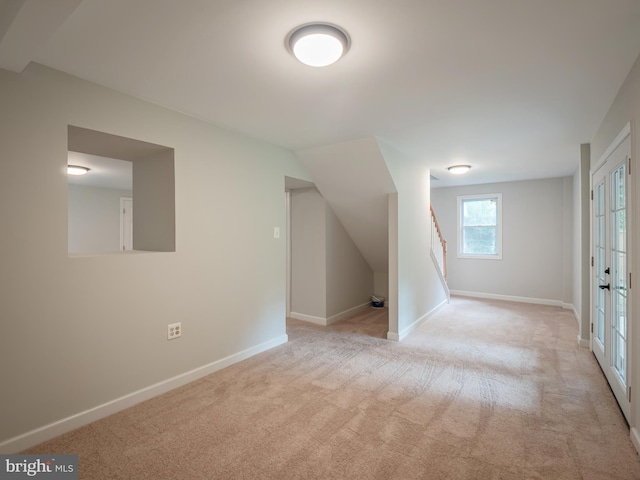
348,313
393,336
635,438
396,337
510,298
575,314
47,432
460,226
308,318
333,319
583,343
626,131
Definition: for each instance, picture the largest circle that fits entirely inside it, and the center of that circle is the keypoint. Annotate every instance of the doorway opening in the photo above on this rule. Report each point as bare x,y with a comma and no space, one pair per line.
119,167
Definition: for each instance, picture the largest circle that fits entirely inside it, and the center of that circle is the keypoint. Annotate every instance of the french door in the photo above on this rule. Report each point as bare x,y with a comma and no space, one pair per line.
609,340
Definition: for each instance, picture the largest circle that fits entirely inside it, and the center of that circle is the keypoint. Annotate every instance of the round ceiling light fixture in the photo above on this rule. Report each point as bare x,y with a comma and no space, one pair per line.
459,169
318,44
77,170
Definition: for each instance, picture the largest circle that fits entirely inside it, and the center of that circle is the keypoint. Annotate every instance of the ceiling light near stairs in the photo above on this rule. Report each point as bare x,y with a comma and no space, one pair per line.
77,170
459,169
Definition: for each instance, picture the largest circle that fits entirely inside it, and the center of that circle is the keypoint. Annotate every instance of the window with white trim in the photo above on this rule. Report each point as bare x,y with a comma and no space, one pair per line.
480,226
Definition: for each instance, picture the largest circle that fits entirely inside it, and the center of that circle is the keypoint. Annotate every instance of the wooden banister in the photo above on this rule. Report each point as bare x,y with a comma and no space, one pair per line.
442,241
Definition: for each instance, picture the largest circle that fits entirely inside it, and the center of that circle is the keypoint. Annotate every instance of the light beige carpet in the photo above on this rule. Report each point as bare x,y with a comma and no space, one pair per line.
482,390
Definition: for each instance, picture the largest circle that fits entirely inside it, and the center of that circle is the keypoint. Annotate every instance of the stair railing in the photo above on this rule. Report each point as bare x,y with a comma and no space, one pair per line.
438,244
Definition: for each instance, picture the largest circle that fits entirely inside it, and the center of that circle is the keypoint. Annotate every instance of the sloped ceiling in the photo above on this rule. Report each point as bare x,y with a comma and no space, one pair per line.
511,87
355,181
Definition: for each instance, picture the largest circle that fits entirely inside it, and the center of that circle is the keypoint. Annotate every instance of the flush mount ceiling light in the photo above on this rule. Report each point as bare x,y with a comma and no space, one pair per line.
318,44
77,170
459,169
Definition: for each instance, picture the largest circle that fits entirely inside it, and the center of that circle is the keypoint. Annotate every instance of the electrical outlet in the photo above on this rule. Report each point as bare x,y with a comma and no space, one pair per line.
174,330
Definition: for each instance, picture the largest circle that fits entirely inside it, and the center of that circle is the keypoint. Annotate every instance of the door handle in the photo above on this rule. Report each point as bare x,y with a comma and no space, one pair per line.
607,286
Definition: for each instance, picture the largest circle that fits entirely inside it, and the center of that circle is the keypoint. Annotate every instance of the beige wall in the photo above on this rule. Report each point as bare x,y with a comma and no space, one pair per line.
349,276
567,241
354,180
381,284
154,224
80,332
536,241
308,254
94,218
329,275
415,289
581,245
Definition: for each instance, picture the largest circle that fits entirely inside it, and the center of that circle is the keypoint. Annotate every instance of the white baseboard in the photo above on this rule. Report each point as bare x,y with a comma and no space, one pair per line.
414,325
47,432
583,343
309,318
635,438
348,313
509,298
576,314
328,321
396,337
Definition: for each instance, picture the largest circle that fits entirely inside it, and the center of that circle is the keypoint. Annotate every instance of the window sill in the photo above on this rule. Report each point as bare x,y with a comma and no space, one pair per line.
481,257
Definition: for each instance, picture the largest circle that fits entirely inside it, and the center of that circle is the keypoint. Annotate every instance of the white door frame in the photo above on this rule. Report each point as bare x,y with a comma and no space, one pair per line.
287,206
601,170
126,241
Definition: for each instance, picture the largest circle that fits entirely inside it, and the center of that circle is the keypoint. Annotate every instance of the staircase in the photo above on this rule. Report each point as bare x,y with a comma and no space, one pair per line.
439,251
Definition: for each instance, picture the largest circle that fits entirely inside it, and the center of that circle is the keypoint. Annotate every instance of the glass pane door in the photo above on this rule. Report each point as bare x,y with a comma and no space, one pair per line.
599,263
619,272
610,300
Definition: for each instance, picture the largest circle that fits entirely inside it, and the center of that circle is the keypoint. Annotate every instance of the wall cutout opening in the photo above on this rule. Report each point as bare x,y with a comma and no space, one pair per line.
123,171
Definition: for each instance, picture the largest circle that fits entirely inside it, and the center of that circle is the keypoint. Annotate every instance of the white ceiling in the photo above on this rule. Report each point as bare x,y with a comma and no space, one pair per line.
104,172
511,87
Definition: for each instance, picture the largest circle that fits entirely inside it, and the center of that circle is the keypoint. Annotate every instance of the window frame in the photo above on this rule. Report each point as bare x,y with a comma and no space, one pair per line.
460,226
